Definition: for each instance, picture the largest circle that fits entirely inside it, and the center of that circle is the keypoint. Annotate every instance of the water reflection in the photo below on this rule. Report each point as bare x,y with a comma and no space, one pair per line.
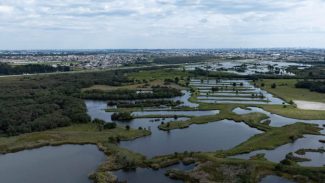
275,179
279,153
224,134
64,164
146,175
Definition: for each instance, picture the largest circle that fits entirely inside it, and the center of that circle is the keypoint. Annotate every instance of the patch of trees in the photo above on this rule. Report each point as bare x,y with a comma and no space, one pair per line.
125,94
313,72
6,69
101,124
122,116
41,102
317,86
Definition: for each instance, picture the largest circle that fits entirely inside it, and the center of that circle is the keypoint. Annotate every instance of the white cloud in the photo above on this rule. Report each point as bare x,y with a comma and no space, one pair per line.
4,9
161,23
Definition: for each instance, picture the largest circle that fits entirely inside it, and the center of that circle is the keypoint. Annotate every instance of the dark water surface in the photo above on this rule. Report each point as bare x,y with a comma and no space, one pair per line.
275,179
146,175
213,136
59,164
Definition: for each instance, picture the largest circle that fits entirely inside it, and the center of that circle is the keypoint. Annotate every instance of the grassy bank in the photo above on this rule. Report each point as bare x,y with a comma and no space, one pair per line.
275,137
251,119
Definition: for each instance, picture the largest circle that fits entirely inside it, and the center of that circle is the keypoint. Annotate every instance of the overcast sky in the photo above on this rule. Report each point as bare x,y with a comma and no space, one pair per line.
83,24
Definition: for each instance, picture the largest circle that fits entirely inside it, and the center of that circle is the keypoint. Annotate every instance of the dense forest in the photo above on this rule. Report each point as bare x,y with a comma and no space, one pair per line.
36,103
125,94
317,86
6,69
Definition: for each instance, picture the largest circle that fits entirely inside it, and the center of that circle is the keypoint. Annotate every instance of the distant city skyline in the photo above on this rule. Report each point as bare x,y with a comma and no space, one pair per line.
161,24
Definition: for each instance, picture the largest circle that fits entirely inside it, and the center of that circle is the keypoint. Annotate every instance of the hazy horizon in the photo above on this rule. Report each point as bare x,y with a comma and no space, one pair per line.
161,24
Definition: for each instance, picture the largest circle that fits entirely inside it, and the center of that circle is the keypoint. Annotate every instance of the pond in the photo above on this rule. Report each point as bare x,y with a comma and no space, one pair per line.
147,175
185,99
96,109
277,120
279,153
184,113
220,135
64,164
275,179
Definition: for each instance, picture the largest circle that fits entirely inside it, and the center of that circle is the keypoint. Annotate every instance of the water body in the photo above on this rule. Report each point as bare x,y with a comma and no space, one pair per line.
185,99
277,120
96,109
229,98
64,164
317,159
232,102
147,175
186,113
275,179
220,135
225,134
227,94
279,153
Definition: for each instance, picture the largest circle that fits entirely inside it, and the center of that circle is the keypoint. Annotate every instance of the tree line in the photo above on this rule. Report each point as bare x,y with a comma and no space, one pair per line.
317,86
6,69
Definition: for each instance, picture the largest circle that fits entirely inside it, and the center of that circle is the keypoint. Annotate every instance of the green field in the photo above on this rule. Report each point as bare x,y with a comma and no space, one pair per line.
285,89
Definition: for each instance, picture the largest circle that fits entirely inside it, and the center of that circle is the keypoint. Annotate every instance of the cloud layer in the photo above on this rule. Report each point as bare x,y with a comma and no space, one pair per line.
28,24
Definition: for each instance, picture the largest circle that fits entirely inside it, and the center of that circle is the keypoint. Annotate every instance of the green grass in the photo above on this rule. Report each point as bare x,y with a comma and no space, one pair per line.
293,112
251,119
75,134
286,90
275,137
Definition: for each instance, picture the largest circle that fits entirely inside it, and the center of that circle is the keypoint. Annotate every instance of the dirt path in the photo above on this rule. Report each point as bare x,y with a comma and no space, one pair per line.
309,105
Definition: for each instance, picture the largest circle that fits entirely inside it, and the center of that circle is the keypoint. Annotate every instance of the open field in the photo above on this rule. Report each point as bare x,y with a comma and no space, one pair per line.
294,112
285,89
307,105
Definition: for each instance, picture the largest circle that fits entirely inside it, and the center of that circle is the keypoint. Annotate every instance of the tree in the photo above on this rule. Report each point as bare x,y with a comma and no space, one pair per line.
176,80
110,125
273,85
127,127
